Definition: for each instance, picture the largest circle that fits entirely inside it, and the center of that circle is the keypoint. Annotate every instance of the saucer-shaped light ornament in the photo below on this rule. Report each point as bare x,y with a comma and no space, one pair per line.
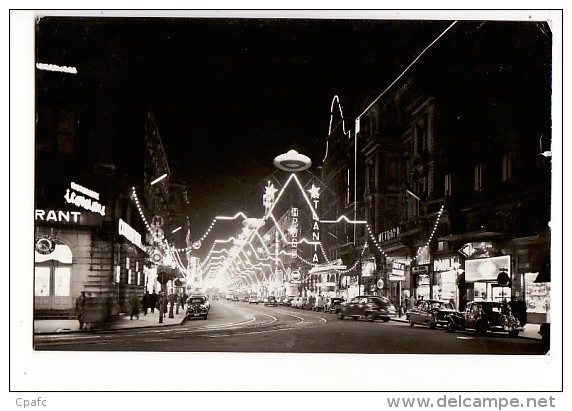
292,161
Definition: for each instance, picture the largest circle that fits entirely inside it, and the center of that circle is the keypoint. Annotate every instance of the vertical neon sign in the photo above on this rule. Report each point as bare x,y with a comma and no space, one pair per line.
315,200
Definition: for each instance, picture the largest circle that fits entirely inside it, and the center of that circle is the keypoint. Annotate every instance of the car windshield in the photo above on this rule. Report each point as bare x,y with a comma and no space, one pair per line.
381,301
442,305
195,300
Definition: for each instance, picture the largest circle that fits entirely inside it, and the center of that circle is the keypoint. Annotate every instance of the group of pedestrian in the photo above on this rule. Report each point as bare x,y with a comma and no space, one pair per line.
149,301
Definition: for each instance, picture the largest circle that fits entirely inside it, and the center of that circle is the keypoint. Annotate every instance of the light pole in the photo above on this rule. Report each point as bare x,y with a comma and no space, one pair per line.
458,271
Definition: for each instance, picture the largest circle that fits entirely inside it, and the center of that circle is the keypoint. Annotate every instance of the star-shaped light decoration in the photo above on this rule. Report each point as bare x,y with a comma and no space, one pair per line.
267,237
260,250
314,191
249,253
268,197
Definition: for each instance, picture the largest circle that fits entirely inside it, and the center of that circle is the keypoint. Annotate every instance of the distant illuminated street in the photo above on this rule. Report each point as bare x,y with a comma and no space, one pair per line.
241,327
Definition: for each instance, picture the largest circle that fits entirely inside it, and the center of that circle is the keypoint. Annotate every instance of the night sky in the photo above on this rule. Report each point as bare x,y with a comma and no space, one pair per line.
231,94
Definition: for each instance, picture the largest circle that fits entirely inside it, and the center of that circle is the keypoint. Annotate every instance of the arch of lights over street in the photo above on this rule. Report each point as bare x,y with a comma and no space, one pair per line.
245,261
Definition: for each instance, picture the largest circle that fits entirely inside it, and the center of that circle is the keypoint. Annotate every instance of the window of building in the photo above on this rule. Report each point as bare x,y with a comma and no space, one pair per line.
448,184
371,176
421,128
506,167
42,281
62,276
478,177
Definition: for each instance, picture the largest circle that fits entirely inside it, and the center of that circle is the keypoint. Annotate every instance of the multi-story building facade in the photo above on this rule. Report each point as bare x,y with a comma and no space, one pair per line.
94,202
457,191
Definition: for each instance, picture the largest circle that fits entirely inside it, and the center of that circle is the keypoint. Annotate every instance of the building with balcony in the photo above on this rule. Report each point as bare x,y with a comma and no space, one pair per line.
457,185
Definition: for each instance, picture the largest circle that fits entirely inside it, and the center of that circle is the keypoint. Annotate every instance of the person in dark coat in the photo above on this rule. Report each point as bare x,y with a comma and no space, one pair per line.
145,302
153,300
518,308
134,307
80,310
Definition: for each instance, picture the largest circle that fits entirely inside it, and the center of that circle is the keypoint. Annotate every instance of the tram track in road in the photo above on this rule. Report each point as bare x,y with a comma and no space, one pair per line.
251,320
261,322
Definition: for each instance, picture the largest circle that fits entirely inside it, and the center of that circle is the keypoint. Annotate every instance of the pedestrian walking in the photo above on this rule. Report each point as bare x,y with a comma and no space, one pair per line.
412,302
145,301
154,299
134,303
80,310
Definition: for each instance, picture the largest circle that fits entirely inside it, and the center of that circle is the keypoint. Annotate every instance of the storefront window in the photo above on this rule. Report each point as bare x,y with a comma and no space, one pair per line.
537,295
42,282
62,277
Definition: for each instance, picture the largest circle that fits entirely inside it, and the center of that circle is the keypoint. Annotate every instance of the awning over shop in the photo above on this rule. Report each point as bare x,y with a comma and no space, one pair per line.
61,253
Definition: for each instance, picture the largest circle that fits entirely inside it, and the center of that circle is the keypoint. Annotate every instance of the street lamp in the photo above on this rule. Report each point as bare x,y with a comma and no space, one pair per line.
161,177
458,271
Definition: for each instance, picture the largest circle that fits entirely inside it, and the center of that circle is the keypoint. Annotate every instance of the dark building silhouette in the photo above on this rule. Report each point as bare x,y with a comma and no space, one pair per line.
456,188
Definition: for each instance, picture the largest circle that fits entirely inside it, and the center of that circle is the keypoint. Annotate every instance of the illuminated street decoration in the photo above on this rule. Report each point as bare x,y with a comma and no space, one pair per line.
292,161
55,67
75,197
293,230
268,197
315,200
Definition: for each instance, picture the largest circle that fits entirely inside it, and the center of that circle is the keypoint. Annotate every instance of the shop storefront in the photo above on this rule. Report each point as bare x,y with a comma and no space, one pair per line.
61,258
446,272
489,279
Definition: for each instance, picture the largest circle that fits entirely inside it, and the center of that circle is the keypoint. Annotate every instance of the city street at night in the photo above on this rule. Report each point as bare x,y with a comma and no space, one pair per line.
345,196
240,327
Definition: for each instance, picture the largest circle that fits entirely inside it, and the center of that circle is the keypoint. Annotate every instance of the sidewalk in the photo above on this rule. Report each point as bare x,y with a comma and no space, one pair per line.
530,330
72,326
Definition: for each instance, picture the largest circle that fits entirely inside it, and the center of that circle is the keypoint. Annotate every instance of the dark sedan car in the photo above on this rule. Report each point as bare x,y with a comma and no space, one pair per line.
430,313
485,316
333,304
369,307
197,307
271,301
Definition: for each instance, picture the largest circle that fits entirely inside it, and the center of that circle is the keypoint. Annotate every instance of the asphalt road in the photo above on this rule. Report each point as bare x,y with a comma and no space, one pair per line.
242,327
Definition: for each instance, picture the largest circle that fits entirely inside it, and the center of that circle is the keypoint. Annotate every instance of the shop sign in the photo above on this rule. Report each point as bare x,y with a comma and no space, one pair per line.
295,276
84,198
487,269
421,270
444,264
130,233
389,234
58,216
294,232
423,280
397,271
368,268
477,249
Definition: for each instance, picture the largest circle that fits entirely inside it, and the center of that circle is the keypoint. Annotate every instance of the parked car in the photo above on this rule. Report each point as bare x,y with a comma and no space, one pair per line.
430,313
253,299
485,316
271,301
287,302
333,304
300,302
197,307
367,306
